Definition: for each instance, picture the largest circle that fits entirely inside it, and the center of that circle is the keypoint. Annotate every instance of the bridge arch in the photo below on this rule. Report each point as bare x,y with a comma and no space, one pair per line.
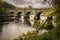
18,16
37,16
11,13
27,17
11,16
19,13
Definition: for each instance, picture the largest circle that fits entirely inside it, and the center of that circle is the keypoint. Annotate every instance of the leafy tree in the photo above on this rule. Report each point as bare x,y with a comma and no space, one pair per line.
4,6
56,4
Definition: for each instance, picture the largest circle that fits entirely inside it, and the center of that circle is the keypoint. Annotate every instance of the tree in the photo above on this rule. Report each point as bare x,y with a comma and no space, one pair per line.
56,4
4,6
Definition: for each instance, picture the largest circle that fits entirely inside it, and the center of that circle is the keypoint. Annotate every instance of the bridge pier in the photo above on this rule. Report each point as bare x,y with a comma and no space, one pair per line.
22,19
32,19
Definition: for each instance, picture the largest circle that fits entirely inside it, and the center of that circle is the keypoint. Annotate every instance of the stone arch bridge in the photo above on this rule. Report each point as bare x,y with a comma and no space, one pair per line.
26,15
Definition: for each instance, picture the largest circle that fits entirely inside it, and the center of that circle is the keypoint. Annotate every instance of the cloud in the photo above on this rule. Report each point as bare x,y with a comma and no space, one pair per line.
26,3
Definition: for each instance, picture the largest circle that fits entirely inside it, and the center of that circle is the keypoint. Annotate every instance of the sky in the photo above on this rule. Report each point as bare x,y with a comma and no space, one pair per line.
33,3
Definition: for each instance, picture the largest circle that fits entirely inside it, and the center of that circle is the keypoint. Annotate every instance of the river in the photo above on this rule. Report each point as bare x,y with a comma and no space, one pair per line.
13,30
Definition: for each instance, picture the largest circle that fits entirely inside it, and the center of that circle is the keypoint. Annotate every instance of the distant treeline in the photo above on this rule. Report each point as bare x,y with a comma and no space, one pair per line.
4,6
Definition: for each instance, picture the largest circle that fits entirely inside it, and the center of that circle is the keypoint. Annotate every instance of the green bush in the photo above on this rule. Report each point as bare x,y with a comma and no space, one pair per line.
37,24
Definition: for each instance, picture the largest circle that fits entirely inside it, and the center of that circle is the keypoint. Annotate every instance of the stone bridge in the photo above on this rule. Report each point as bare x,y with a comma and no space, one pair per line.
27,15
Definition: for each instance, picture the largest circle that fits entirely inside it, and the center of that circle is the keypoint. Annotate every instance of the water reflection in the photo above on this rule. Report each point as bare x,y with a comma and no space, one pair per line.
13,30
0,28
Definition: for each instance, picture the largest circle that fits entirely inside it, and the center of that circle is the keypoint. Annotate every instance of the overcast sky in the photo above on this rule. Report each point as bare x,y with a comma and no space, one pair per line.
26,3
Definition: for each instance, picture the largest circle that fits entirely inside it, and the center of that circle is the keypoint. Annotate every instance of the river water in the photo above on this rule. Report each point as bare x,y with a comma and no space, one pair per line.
13,30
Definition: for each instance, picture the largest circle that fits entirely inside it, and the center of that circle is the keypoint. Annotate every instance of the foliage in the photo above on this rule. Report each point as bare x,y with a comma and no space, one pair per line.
57,19
37,24
48,24
4,6
28,36
55,33
51,35
56,2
